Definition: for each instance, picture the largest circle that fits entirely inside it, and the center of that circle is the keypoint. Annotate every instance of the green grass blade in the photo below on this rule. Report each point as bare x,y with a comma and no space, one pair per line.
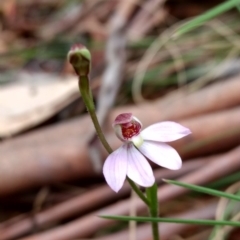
198,21
174,220
204,190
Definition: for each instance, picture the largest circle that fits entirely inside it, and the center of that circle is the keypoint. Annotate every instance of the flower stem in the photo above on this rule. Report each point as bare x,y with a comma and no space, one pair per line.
153,209
88,101
138,191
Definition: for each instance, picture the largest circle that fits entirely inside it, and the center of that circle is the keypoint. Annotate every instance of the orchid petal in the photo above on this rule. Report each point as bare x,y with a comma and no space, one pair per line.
162,154
165,132
139,170
115,168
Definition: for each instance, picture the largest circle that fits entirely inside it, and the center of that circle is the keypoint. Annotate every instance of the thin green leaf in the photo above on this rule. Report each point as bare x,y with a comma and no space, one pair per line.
225,181
153,208
153,200
204,190
200,20
174,220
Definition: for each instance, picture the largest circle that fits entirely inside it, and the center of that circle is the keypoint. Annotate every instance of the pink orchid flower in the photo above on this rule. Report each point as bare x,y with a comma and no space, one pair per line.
128,160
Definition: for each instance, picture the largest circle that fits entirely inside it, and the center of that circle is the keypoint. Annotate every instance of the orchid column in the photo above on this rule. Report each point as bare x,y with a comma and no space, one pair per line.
128,161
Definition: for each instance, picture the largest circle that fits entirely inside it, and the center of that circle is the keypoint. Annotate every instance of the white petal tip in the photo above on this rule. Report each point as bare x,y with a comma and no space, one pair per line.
115,168
150,184
114,184
165,132
187,131
139,170
116,190
162,154
175,166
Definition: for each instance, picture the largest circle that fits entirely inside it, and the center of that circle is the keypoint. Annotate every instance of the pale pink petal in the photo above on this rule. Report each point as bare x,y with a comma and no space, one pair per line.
115,168
139,170
162,154
165,132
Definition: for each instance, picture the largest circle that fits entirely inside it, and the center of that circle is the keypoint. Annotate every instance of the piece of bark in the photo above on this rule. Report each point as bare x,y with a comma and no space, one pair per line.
86,226
59,153
66,20
211,133
83,203
140,23
167,230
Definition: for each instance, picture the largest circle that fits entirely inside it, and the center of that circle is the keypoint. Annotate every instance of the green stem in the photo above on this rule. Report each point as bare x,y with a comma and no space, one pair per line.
88,101
153,209
87,98
138,191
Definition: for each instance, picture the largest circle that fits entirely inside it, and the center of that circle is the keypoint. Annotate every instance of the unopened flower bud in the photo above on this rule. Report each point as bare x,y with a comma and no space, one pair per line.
80,58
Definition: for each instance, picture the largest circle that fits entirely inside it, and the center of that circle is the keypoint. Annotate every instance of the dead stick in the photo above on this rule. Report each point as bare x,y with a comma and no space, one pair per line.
140,24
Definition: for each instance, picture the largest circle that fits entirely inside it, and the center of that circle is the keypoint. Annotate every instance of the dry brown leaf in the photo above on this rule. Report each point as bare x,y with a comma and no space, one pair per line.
32,99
